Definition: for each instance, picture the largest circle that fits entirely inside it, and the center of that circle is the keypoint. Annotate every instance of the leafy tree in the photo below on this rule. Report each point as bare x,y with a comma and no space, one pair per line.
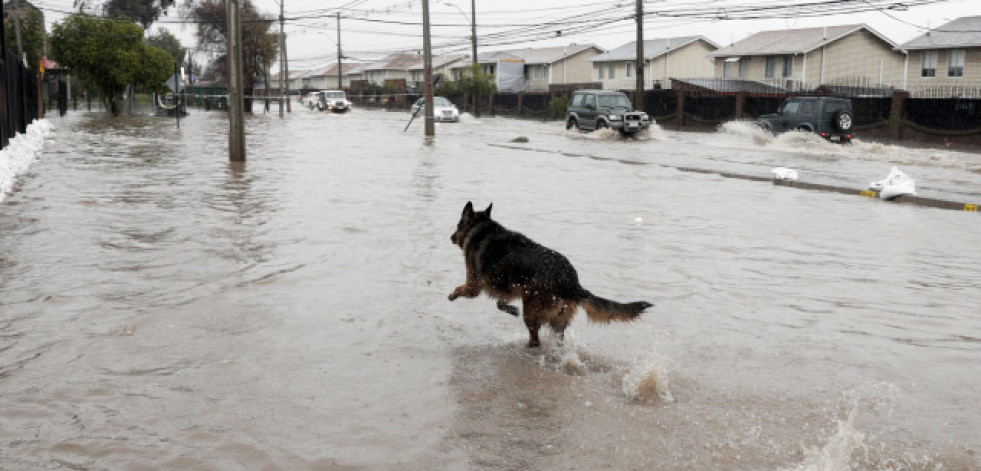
107,55
477,84
259,46
167,41
144,12
31,33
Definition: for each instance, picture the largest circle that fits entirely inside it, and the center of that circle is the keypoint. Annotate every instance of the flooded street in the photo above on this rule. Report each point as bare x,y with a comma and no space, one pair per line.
161,308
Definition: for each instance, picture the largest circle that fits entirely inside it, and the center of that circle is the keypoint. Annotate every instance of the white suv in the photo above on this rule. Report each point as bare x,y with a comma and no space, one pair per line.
334,100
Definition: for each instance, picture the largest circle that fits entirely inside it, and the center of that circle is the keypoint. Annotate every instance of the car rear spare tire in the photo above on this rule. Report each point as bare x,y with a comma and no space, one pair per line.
843,121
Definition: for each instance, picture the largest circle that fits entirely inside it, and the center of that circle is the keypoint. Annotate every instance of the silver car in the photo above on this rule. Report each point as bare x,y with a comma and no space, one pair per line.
443,110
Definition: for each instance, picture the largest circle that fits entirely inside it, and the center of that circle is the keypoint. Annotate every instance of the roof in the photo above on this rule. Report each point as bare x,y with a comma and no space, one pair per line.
792,41
440,61
962,32
394,62
548,55
652,48
533,55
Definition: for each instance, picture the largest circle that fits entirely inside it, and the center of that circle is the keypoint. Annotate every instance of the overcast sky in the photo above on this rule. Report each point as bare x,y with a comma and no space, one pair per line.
370,28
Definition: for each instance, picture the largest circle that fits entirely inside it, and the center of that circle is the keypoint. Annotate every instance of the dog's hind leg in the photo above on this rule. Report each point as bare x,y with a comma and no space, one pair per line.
504,306
560,320
533,326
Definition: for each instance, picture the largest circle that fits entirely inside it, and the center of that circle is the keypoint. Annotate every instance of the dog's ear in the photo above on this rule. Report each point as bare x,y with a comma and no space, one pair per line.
468,210
487,211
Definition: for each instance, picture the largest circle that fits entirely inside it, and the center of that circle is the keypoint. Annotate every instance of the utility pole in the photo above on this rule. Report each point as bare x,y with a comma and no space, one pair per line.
473,44
236,118
286,60
340,66
639,92
282,57
427,60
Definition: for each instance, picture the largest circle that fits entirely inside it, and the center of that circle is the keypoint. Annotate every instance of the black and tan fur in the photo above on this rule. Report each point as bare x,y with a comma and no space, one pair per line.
507,266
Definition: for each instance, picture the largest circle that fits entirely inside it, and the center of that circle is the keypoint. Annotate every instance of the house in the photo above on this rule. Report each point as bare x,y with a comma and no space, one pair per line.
542,66
441,65
945,57
392,67
805,58
663,58
488,62
546,66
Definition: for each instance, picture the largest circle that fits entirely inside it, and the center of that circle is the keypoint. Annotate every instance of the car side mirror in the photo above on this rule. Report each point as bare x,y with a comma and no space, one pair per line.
591,107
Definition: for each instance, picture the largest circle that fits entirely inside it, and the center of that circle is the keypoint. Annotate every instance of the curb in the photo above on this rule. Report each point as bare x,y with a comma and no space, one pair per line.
913,200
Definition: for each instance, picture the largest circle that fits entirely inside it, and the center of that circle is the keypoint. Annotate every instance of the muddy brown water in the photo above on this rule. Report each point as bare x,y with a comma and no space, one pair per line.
161,308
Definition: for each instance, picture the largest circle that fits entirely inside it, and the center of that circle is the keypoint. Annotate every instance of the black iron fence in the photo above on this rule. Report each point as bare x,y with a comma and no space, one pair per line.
18,97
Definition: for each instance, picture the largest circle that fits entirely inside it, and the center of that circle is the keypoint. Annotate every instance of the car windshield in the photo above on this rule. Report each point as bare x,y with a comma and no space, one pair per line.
614,101
335,94
440,101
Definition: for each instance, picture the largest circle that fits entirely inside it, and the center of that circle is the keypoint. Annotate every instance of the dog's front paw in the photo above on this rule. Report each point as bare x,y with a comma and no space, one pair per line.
456,294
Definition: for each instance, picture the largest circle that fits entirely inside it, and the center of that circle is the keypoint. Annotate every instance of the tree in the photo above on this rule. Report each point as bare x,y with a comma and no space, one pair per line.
167,41
477,84
107,55
259,46
30,33
144,12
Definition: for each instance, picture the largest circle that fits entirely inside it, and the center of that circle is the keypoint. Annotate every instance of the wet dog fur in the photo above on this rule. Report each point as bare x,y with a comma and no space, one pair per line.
508,266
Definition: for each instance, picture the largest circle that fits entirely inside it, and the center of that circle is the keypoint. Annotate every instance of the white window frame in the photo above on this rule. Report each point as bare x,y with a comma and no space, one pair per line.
928,68
629,68
955,62
613,70
600,67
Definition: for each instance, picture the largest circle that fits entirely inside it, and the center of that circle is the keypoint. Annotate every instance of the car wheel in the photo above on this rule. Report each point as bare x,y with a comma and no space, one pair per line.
766,126
572,123
843,121
600,124
320,106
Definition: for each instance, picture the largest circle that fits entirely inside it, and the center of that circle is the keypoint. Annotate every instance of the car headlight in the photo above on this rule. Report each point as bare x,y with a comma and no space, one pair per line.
614,117
644,117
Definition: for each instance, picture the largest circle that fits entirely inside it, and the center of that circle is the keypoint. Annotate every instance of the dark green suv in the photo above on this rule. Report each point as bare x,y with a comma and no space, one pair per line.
828,116
598,109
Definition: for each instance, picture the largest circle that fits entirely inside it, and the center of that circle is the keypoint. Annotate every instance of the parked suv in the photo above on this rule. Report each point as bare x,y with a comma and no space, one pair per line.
598,109
830,117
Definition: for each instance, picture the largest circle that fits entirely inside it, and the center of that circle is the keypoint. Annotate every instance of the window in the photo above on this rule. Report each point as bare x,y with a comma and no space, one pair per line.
600,66
613,70
790,108
807,107
929,64
788,66
629,67
771,67
577,101
744,67
728,67
955,63
591,101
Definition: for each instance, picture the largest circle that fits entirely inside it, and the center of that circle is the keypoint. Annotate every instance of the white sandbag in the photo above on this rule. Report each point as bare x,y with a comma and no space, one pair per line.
784,173
895,184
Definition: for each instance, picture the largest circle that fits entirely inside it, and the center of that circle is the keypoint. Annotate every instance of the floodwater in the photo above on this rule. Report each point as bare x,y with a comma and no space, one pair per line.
161,308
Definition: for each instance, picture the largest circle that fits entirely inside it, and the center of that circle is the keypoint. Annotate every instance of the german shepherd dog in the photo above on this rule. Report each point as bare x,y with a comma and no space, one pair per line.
507,266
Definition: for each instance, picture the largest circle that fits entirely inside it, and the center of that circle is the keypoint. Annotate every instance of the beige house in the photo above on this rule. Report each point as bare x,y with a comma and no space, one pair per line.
663,58
441,64
945,60
392,67
543,66
557,65
803,59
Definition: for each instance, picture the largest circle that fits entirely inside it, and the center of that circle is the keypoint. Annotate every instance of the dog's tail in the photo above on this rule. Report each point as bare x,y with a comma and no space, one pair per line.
603,310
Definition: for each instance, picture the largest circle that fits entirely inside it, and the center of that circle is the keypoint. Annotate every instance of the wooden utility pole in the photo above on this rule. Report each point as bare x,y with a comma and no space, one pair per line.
340,65
639,91
236,118
282,57
20,47
427,60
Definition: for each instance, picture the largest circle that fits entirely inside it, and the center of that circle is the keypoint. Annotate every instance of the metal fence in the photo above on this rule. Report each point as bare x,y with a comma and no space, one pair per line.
18,97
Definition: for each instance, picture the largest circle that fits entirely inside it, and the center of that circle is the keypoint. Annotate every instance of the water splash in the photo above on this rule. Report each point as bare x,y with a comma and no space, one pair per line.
647,380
